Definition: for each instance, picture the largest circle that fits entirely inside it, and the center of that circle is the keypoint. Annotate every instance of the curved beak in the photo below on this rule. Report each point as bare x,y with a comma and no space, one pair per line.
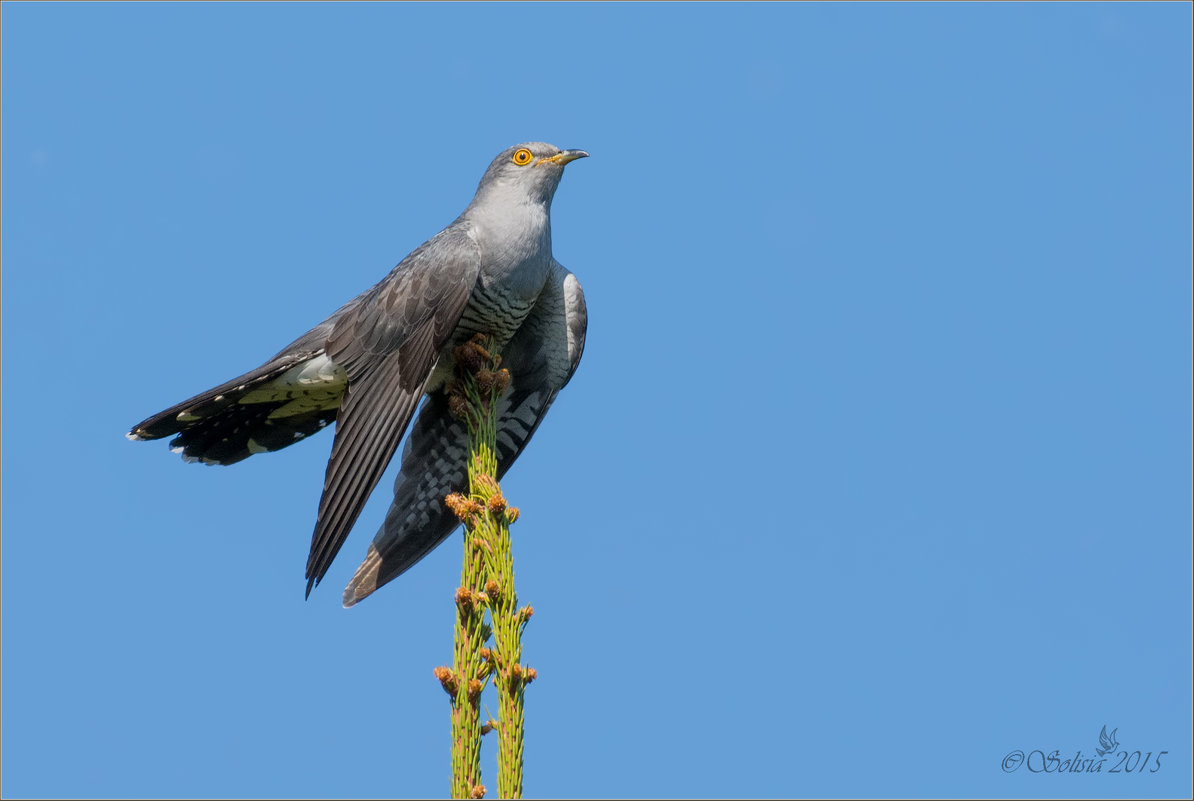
564,157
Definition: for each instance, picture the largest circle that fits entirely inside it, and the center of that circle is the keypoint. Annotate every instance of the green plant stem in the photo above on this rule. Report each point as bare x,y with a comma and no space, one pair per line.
487,519
511,677
469,669
507,623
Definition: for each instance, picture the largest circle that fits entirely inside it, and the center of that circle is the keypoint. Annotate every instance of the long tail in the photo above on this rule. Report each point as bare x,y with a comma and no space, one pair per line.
281,402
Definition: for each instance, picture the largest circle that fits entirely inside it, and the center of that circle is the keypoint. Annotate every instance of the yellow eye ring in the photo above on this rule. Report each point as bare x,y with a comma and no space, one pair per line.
522,157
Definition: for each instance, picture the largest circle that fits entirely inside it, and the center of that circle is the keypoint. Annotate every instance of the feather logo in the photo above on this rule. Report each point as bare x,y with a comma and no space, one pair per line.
1107,742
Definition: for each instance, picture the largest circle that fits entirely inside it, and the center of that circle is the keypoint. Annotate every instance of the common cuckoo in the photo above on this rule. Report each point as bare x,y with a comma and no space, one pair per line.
366,367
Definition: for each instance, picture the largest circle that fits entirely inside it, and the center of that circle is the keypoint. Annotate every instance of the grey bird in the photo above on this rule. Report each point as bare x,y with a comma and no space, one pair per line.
366,367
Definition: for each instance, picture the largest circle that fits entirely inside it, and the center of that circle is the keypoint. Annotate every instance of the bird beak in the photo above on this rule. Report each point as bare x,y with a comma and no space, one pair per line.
565,157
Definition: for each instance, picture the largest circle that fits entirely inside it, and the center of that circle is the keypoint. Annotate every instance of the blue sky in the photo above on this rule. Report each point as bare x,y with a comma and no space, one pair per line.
877,467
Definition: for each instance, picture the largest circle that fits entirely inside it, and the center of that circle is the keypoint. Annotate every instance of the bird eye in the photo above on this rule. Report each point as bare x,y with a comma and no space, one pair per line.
522,157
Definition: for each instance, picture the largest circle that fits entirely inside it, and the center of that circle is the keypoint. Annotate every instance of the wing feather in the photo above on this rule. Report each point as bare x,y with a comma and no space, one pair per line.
388,346
368,429
541,357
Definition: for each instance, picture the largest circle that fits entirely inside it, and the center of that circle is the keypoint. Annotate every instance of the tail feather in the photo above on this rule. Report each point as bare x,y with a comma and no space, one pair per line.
240,431
283,401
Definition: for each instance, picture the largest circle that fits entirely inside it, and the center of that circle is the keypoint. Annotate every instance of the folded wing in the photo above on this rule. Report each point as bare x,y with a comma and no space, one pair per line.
541,357
387,344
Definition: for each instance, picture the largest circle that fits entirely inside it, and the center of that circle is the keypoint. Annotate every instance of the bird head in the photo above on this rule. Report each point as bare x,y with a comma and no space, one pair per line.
529,171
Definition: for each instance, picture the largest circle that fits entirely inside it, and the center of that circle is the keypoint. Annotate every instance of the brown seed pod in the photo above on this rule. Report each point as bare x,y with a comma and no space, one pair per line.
447,679
458,406
458,504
